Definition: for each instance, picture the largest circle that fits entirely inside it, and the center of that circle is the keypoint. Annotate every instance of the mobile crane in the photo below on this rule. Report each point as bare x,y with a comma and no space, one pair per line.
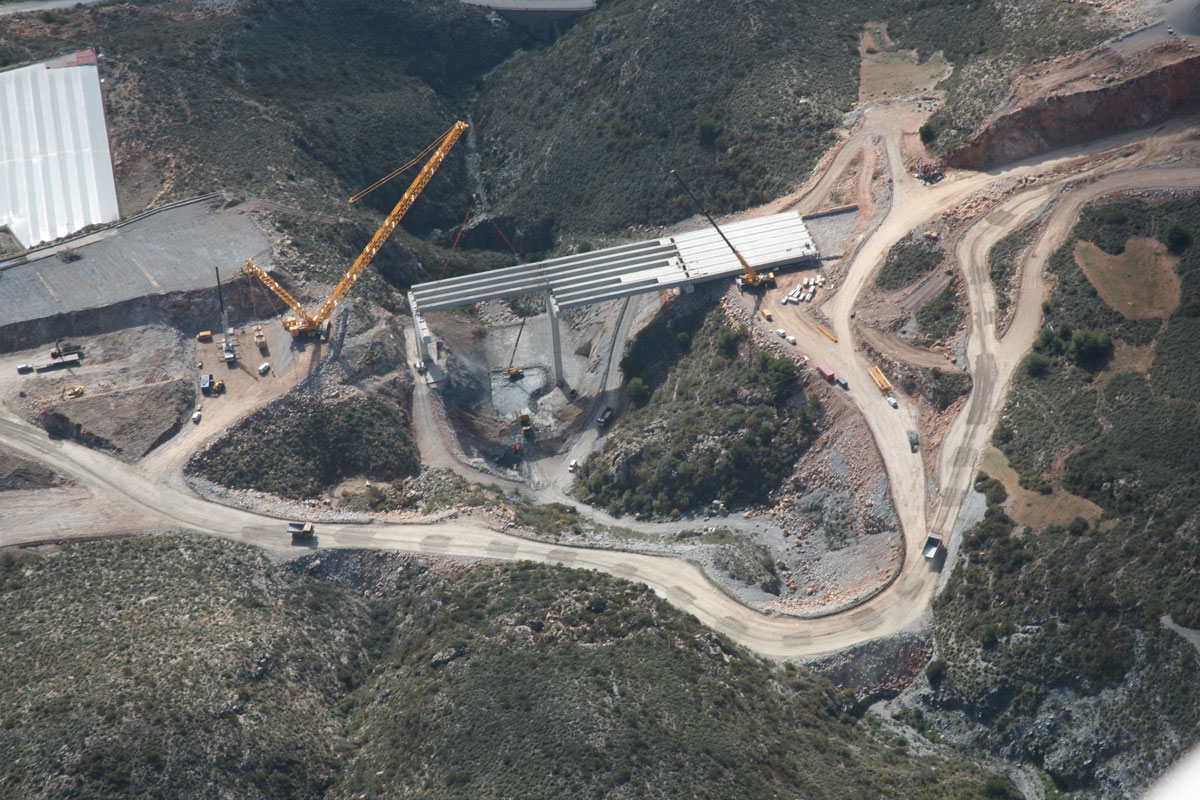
306,323
750,276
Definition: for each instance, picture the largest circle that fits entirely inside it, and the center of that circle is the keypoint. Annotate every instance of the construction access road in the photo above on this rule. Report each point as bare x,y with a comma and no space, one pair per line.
158,504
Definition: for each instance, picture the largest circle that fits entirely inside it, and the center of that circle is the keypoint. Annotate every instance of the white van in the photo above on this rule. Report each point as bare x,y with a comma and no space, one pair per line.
264,368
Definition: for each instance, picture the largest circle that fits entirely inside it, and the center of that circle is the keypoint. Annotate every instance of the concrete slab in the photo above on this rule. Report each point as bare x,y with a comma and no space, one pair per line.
171,250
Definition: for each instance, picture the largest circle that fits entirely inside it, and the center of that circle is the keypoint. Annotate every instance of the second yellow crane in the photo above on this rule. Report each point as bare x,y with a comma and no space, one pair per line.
306,323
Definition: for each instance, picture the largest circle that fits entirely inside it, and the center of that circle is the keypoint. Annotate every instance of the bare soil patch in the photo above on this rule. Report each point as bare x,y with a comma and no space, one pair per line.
1033,508
886,73
20,473
1140,283
1126,358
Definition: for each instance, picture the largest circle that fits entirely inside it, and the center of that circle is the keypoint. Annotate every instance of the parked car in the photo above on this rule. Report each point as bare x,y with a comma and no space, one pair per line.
196,418
913,442
25,368
574,465
605,416
264,368
891,401
790,339
781,333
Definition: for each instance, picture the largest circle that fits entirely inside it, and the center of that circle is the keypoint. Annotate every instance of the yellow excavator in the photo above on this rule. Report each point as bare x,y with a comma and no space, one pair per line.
306,323
750,276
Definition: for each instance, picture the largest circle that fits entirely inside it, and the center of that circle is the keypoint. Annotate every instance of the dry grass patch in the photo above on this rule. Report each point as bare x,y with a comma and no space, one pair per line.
1033,508
886,73
1140,283
1126,358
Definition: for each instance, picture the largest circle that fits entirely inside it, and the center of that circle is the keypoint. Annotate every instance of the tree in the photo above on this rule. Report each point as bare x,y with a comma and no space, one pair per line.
927,132
639,392
1037,365
1090,350
1178,239
707,131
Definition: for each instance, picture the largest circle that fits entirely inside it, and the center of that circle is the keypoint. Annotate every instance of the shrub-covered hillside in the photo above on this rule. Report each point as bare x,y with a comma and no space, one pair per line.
188,667
1056,637
712,418
298,447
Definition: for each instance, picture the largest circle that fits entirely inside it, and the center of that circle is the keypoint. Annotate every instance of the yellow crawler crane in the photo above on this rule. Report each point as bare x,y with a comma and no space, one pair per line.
305,323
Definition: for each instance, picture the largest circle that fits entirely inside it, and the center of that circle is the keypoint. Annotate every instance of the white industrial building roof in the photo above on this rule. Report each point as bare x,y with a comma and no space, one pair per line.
765,242
55,168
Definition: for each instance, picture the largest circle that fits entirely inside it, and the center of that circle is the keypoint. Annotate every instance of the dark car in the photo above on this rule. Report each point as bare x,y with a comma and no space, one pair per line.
605,416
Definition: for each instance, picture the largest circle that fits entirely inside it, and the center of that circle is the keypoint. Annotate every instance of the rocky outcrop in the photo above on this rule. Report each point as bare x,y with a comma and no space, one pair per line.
1084,98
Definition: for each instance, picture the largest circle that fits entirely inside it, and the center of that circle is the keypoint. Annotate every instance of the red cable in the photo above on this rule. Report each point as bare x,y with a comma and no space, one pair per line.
507,242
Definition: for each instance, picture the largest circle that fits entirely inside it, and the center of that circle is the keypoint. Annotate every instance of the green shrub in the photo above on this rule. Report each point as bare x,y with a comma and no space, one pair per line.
1037,365
1177,238
928,133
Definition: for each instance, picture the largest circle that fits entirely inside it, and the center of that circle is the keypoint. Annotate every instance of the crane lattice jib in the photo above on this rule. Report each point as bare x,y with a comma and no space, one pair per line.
305,321
389,225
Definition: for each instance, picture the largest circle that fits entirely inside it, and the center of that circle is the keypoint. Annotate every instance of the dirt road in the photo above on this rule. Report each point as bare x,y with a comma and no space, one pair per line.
144,496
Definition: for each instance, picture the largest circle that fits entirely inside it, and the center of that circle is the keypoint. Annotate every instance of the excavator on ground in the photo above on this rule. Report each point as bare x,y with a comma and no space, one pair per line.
305,323
750,277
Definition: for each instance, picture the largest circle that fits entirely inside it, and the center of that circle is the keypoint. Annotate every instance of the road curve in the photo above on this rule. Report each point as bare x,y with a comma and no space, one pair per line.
903,603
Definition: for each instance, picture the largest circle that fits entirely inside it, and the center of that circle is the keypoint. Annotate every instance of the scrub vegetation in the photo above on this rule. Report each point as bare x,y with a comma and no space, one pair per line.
1037,620
907,261
490,681
298,448
719,420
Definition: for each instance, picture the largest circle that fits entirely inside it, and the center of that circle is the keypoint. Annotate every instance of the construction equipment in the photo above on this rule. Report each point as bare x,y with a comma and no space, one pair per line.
881,381
750,277
526,425
260,339
300,531
60,350
516,373
228,344
306,323
73,391
218,387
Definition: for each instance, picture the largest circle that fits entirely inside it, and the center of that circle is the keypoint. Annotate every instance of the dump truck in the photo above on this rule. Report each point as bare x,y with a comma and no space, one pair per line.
204,336
300,531
826,373
933,545
206,384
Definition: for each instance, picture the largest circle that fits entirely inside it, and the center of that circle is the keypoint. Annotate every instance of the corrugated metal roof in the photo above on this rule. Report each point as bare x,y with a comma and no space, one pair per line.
55,169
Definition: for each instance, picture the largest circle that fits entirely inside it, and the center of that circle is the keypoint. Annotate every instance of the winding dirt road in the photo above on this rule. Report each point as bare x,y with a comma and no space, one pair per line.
160,503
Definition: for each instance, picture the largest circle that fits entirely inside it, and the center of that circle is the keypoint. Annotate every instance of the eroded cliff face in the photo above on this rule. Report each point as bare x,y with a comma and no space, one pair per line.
1083,97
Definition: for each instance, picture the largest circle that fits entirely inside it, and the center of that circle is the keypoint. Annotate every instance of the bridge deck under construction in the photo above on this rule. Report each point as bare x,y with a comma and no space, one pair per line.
767,243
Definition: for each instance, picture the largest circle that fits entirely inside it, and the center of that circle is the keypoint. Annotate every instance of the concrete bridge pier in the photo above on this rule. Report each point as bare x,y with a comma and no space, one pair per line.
555,314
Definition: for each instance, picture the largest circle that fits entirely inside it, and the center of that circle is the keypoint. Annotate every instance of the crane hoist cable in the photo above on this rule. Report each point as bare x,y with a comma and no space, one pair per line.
304,322
750,276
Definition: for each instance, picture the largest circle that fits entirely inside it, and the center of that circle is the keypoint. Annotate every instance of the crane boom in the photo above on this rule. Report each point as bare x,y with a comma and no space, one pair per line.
274,286
750,276
305,322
